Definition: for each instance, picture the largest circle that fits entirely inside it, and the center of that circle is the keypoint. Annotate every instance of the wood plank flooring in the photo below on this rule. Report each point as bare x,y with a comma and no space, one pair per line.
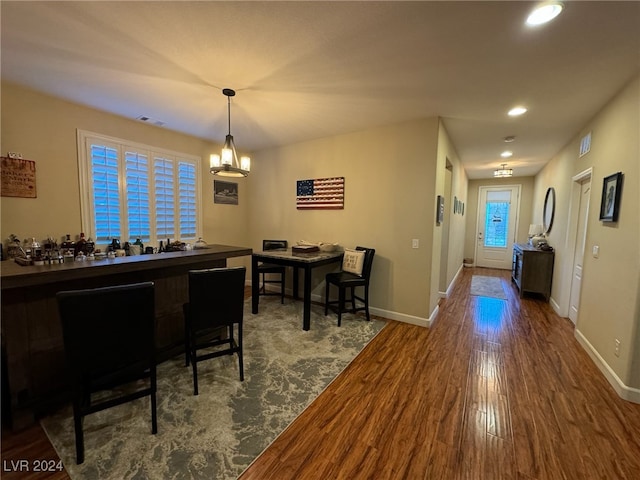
494,390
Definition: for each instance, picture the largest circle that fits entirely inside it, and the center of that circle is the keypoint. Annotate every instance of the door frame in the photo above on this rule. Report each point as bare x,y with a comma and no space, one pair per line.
516,217
562,309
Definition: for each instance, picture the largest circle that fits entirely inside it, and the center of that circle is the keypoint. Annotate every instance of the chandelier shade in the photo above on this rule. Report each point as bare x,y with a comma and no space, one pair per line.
503,171
226,164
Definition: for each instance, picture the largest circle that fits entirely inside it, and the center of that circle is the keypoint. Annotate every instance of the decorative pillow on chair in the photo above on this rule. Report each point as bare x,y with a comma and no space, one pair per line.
353,261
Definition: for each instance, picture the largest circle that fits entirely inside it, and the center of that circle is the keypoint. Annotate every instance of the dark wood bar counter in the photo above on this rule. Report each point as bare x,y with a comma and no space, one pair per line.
33,376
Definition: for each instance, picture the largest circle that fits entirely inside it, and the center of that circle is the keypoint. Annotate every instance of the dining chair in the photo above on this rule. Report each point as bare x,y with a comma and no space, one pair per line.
270,269
109,342
355,272
215,307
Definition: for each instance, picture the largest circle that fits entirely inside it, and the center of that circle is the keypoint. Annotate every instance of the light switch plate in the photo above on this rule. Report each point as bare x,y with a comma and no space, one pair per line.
596,251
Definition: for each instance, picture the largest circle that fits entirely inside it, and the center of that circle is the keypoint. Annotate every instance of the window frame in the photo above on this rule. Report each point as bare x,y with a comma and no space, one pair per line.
87,208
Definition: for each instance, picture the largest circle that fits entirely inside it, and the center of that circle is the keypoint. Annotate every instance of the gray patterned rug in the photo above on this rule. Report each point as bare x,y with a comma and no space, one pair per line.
484,286
218,433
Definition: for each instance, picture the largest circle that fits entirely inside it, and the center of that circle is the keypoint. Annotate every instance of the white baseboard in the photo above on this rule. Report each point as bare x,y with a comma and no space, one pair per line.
453,282
624,391
401,317
555,306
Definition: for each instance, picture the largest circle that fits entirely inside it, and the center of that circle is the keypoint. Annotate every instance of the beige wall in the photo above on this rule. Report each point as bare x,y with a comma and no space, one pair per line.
527,206
392,177
43,129
453,230
609,307
390,191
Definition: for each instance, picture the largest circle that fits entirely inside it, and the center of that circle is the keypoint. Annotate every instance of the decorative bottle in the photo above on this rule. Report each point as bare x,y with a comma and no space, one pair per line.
81,245
68,246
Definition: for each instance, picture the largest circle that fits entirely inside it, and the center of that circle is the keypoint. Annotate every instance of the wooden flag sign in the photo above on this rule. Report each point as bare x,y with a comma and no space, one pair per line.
320,193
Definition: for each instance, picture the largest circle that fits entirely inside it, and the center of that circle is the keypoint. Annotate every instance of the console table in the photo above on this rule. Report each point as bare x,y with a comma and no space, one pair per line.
532,269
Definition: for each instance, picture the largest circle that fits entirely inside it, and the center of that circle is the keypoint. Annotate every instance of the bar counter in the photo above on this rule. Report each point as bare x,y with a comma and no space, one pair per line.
33,363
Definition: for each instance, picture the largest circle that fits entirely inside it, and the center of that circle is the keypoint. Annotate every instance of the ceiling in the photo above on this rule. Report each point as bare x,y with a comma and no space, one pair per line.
305,70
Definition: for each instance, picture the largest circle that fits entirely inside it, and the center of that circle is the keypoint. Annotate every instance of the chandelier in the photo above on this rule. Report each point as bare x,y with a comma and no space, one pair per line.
226,164
503,171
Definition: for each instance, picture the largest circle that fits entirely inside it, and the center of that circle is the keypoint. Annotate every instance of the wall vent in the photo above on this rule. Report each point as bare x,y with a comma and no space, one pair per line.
152,121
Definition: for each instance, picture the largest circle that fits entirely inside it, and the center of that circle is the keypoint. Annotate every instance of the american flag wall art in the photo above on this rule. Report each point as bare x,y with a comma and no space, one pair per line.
320,193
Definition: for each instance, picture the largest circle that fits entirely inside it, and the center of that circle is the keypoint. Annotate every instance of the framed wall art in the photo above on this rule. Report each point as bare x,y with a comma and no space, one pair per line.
320,194
225,192
18,177
610,203
440,210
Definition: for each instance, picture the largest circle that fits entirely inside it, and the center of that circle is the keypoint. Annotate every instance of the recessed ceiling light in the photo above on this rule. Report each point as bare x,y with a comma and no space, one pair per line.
543,13
509,139
515,111
506,154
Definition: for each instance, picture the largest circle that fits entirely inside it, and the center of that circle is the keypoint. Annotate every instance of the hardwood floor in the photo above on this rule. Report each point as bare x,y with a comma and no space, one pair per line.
494,390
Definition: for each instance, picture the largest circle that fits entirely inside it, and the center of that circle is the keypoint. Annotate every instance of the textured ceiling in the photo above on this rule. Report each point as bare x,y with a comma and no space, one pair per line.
305,70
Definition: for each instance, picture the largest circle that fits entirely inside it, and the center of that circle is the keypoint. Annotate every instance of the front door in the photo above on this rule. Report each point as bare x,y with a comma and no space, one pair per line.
498,209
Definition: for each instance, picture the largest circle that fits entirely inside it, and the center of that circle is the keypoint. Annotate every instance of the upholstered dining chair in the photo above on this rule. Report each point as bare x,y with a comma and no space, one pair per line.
270,269
109,341
356,271
215,308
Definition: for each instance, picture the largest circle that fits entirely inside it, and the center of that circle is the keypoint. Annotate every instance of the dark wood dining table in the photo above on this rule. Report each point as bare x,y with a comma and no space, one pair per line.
305,261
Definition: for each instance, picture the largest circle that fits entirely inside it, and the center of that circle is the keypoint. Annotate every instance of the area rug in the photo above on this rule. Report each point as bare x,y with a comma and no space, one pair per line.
218,433
484,286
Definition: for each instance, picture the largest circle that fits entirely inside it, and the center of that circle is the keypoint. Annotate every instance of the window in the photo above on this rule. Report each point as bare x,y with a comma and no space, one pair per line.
497,218
132,191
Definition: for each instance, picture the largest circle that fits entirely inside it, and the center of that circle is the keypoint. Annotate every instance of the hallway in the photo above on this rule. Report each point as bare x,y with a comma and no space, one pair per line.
494,390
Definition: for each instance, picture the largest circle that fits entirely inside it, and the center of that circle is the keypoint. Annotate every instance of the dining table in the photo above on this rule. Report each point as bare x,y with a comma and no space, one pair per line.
298,261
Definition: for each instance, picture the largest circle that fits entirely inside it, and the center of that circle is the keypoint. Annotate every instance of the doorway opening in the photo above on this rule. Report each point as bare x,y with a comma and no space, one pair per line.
578,220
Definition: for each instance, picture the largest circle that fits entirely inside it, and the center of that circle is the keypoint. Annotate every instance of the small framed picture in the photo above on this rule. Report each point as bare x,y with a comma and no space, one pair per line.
440,210
610,203
225,192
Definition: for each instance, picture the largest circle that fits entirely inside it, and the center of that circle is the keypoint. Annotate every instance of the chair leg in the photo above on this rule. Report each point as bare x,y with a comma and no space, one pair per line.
353,299
154,403
231,339
366,302
195,372
240,357
77,425
185,310
282,288
340,304
326,298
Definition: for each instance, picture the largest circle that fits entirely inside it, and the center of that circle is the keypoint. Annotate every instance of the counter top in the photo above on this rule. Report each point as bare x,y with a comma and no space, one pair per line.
13,275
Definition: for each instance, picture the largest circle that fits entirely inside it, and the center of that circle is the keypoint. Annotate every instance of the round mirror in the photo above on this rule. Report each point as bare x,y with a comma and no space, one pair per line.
549,209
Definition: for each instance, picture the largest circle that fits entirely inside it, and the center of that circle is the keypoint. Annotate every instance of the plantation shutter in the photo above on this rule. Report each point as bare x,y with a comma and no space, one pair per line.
165,197
130,191
137,179
104,167
187,199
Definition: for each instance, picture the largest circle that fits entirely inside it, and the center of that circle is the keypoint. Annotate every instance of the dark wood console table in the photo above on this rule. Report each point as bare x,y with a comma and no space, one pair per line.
532,269
34,376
